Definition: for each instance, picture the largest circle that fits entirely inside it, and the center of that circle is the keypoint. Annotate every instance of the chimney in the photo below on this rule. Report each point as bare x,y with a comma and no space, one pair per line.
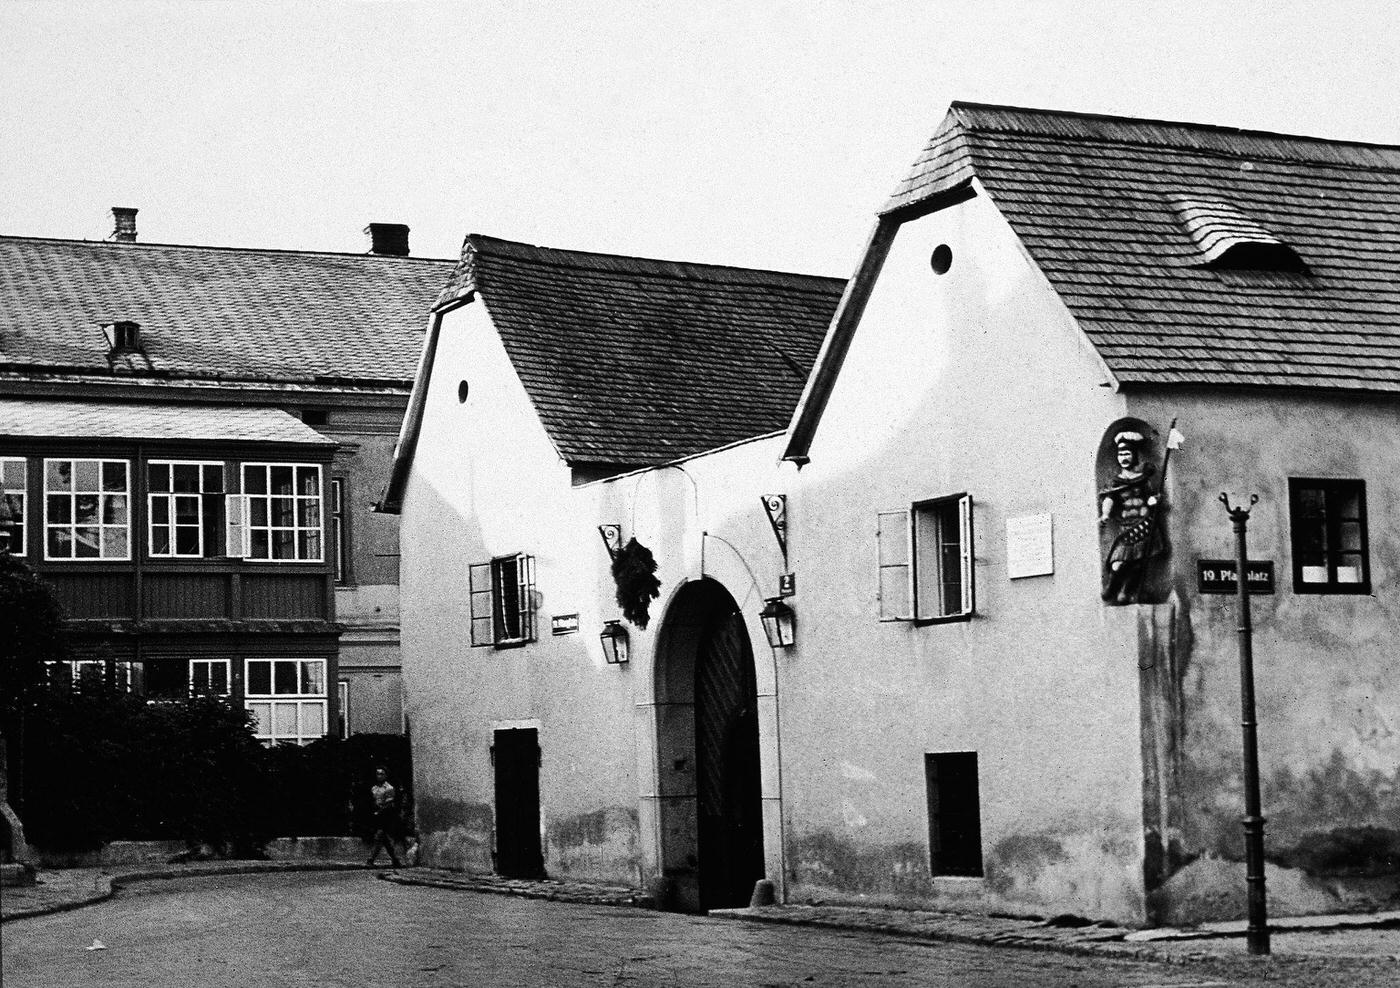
125,218
388,239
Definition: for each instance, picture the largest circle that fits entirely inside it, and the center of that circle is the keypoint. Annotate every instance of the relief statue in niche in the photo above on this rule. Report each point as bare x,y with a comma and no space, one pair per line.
1129,506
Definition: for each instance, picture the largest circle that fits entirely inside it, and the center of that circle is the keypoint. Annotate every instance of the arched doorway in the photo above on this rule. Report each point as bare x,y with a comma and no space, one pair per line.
711,803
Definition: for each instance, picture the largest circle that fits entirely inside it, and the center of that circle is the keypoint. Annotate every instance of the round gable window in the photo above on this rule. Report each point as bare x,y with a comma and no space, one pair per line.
462,390
942,259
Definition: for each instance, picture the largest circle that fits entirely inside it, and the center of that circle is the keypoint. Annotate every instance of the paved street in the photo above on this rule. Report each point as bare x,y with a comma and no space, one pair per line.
352,929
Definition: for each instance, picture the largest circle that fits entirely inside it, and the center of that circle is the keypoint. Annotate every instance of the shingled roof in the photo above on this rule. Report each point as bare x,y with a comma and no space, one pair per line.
637,362
1096,201
212,312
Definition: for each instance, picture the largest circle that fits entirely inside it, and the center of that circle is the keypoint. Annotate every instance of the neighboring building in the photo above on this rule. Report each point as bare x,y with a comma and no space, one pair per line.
192,438
964,721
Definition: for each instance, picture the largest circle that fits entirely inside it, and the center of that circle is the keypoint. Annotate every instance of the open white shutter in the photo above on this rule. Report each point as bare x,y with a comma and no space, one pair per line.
892,547
479,604
965,538
235,526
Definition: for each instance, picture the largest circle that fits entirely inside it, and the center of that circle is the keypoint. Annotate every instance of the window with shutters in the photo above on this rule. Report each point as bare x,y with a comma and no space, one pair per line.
925,572
954,814
183,499
502,601
1327,521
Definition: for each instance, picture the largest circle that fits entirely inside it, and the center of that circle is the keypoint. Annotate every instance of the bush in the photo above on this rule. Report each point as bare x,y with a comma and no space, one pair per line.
106,766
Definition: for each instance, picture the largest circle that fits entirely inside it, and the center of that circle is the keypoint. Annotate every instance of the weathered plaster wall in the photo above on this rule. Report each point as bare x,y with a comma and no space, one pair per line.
486,482
1327,678
975,381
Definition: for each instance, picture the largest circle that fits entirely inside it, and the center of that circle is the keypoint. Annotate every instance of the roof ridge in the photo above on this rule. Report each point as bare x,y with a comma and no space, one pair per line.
561,257
1157,122
142,245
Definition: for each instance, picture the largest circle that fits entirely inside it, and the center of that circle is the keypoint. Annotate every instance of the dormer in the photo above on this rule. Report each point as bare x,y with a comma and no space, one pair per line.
1226,238
122,337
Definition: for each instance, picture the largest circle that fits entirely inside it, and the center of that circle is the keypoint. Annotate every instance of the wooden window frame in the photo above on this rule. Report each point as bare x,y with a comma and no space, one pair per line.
201,497
1331,487
211,663
341,558
72,495
248,529
489,610
899,555
20,494
301,700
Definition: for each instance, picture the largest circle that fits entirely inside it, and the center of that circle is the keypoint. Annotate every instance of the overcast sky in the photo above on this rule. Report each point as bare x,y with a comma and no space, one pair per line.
761,133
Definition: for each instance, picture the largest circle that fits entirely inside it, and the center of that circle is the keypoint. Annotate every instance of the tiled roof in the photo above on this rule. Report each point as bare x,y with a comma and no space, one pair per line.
44,419
211,312
1096,201
631,361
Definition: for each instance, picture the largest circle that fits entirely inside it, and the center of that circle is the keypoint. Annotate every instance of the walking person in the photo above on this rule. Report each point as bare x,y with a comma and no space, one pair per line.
386,816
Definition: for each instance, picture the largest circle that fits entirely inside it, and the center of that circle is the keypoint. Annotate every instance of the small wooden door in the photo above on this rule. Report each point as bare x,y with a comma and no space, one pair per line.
728,791
516,754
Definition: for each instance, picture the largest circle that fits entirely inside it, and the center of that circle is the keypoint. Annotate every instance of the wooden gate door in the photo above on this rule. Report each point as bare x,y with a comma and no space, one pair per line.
728,793
517,760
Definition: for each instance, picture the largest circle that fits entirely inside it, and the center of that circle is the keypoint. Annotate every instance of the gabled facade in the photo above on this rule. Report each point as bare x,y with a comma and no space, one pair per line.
192,441
1014,681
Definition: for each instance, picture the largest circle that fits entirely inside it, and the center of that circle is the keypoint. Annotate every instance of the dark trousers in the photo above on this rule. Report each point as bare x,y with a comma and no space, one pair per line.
385,826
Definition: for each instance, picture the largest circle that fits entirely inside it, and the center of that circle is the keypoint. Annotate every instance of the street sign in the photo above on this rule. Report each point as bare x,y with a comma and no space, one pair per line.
1218,576
564,624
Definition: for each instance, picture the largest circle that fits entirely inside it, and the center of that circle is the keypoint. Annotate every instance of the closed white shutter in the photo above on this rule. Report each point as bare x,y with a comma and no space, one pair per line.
892,547
235,526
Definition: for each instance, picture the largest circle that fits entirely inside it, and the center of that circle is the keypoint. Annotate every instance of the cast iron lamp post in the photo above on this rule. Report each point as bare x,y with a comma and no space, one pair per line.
1258,933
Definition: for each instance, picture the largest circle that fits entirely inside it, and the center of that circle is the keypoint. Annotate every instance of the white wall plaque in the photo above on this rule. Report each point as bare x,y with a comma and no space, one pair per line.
1030,546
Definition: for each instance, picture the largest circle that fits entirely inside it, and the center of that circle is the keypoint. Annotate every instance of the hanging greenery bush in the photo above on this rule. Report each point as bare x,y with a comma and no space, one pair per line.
634,572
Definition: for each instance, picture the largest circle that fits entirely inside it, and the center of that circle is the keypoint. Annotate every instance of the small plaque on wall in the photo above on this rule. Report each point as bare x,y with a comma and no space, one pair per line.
564,624
1030,546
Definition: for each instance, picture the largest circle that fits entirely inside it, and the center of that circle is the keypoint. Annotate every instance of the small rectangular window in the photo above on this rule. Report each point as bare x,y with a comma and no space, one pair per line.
209,677
14,496
501,600
338,544
942,540
954,815
1327,523
87,509
925,561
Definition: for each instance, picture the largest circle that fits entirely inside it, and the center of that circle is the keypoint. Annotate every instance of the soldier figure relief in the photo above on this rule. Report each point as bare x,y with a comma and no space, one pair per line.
1131,504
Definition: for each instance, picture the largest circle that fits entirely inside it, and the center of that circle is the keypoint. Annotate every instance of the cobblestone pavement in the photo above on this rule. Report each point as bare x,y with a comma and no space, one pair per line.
349,928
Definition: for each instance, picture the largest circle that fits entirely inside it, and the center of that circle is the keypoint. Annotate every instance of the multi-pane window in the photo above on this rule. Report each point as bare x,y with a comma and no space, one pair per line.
282,518
954,815
338,546
287,698
502,600
183,518
87,509
925,561
92,674
209,677
1327,519
14,479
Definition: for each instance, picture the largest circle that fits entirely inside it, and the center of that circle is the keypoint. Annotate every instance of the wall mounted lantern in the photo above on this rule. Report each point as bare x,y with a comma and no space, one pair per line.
779,623
614,639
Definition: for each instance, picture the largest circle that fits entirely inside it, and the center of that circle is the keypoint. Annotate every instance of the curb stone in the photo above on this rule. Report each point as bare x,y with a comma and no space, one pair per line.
581,893
106,886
